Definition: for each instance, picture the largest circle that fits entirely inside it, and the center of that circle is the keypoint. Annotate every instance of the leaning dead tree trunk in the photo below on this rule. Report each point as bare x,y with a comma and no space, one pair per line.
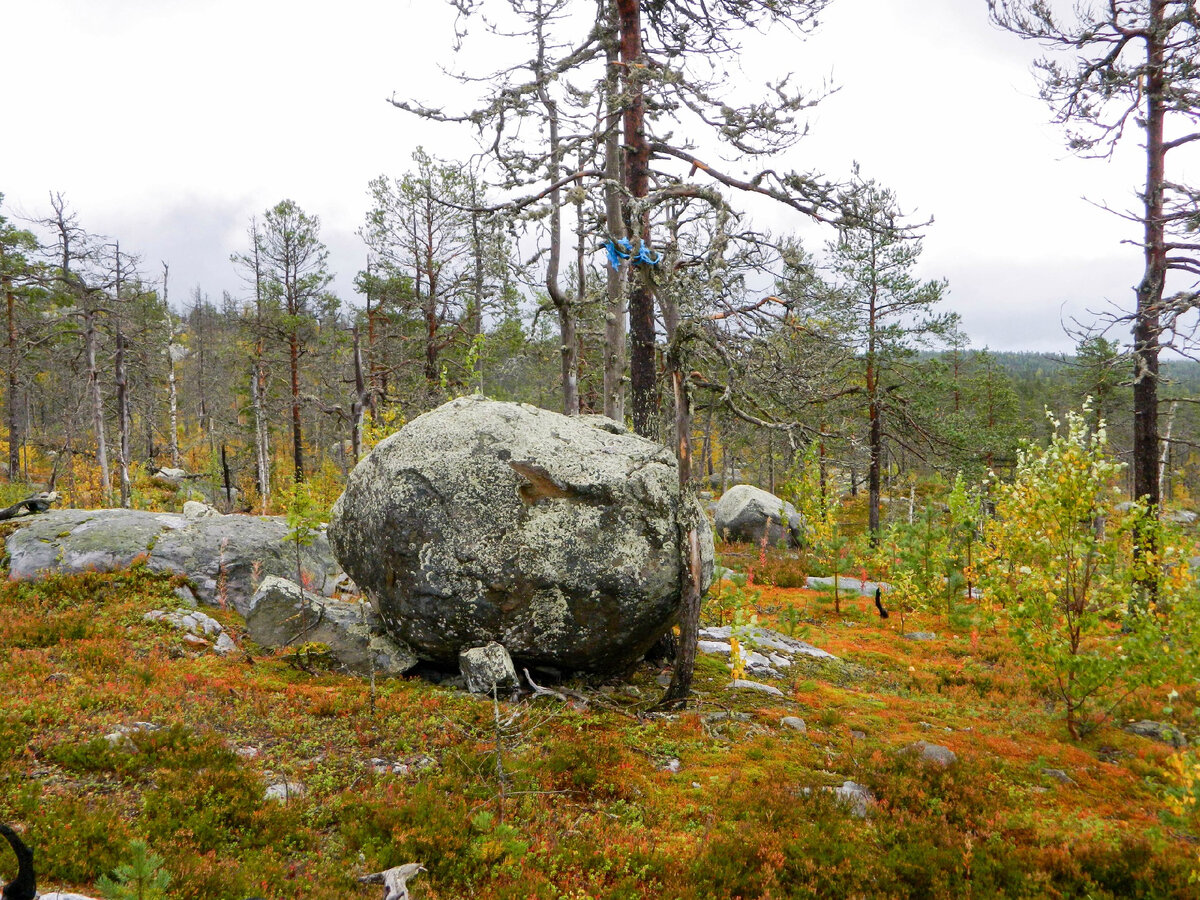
37,503
258,387
122,386
563,303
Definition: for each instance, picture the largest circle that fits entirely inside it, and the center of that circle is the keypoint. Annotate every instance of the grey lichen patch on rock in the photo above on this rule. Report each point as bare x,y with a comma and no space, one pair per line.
558,537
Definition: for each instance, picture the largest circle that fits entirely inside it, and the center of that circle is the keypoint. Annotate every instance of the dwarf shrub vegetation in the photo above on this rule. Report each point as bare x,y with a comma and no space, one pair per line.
1054,560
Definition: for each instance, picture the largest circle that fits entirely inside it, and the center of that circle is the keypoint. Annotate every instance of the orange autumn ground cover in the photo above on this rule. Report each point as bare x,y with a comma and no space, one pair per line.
604,799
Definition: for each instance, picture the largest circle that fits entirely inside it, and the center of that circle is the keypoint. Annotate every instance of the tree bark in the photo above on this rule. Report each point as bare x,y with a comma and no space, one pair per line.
361,394
372,361
226,480
568,338
297,426
692,574
1146,326
618,308
642,374
172,390
14,418
122,384
875,440
89,339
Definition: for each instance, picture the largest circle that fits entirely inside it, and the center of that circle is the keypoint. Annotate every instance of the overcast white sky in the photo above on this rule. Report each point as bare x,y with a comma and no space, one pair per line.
169,123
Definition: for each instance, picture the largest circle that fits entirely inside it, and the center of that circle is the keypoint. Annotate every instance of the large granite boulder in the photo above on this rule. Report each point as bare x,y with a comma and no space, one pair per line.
223,557
558,537
744,511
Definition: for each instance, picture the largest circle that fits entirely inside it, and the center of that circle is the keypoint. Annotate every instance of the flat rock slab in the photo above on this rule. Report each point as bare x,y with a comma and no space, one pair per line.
741,684
1059,775
283,791
847,584
224,557
764,653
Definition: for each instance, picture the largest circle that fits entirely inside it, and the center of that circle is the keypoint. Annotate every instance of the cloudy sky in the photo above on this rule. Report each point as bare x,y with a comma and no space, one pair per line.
169,123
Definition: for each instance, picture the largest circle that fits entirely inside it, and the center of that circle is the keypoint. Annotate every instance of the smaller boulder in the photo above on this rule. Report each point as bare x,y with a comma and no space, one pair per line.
854,797
281,614
283,791
1159,731
934,754
921,636
194,509
744,512
846,584
795,723
487,668
169,477
120,739
224,644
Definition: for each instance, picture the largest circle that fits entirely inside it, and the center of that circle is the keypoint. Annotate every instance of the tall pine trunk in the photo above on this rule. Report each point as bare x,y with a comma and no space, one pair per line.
637,184
1146,327
14,415
122,384
618,309
297,426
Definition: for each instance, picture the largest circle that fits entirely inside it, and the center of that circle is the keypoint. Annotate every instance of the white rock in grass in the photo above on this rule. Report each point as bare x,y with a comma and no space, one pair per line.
855,797
282,791
744,685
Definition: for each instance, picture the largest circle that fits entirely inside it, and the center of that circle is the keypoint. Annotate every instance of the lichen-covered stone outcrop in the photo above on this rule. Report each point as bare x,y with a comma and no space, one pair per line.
223,557
484,521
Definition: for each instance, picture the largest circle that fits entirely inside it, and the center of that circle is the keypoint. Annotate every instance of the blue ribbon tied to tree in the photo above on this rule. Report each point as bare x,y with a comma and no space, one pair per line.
623,249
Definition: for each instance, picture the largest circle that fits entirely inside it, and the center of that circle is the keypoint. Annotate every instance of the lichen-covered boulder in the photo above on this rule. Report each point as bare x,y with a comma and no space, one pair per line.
487,668
224,557
281,614
558,537
744,512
